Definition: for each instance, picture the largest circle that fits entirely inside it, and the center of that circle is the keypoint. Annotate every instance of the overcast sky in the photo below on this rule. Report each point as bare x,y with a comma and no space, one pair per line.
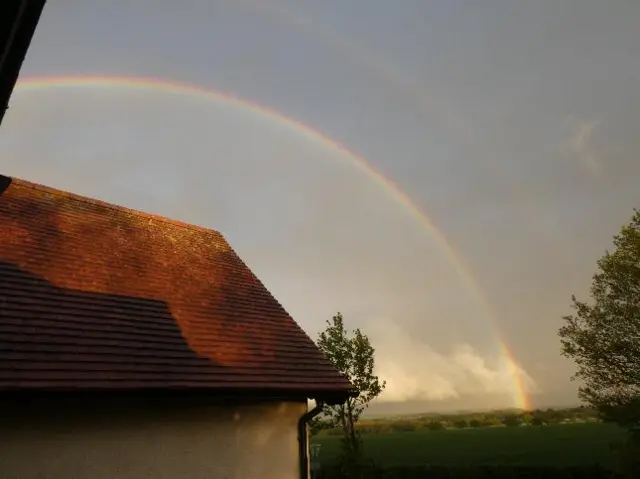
512,124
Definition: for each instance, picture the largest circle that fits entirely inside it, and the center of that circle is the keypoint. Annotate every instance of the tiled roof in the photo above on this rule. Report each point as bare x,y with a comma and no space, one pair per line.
96,296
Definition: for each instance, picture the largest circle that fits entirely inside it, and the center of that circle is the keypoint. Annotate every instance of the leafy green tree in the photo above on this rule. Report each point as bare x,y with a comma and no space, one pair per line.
435,425
603,336
551,416
512,420
491,420
461,423
318,424
537,421
353,356
527,418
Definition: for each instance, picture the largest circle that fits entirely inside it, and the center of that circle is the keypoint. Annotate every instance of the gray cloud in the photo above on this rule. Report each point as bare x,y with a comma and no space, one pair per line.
415,371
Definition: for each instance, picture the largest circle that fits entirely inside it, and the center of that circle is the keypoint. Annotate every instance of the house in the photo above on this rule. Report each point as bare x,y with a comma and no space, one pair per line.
135,346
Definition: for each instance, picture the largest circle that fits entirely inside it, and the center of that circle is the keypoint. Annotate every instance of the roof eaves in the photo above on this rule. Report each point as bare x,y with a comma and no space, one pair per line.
334,398
331,398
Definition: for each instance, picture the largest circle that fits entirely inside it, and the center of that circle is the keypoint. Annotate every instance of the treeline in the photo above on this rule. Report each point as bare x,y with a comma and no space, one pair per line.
437,422
485,472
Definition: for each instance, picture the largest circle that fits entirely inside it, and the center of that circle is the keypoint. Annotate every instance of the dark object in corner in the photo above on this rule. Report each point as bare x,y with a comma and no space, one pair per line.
5,183
18,21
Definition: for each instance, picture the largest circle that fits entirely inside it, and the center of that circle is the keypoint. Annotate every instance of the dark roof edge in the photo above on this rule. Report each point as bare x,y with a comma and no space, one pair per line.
329,397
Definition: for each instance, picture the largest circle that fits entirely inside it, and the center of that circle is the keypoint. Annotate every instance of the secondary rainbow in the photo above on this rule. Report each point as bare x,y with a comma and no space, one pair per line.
519,393
414,89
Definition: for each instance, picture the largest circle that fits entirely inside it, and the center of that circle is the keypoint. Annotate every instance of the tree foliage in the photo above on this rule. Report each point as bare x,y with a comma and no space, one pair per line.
512,420
603,336
353,356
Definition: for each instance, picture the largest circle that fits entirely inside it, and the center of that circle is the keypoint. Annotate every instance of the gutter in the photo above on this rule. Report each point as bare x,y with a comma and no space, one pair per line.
303,438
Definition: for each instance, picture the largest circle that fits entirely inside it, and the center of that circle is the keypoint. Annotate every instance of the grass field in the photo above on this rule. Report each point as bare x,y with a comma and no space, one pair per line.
558,445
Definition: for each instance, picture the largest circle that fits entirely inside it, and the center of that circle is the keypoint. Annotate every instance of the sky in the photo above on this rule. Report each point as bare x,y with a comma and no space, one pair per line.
511,125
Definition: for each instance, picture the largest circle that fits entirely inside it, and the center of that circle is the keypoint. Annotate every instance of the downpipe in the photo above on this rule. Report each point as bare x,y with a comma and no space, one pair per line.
303,438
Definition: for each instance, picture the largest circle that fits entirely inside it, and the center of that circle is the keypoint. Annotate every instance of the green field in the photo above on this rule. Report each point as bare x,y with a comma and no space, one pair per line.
557,445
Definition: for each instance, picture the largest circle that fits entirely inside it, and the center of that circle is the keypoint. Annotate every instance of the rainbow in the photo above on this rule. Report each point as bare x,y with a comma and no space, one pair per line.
427,104
519,393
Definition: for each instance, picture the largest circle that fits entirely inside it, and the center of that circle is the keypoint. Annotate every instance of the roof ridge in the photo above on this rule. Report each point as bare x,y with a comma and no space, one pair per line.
112,206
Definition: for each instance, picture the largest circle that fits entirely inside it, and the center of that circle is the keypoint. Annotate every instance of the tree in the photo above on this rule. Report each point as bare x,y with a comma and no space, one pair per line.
490,420
603,336
435,425
512,420
461,423
318,424
475,423
537,421
353,355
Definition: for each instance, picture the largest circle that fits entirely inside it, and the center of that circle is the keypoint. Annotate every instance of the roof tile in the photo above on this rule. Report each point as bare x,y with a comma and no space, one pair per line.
93,295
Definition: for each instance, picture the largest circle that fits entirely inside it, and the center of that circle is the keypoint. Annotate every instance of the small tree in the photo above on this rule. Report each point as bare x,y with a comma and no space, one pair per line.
435,425
318,424
537,421
461,423
512,420
603,337
491,420
353,356
475,423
